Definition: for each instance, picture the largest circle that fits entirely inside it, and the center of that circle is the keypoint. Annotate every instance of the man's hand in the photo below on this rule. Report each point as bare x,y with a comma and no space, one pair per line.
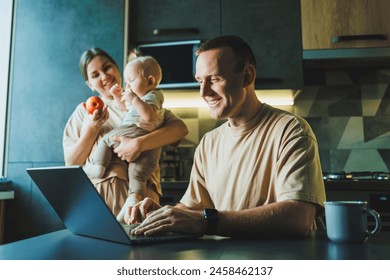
171,219
138,212
128,149
130,202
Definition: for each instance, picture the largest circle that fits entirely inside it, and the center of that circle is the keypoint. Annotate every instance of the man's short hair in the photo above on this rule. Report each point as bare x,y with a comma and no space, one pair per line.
240,47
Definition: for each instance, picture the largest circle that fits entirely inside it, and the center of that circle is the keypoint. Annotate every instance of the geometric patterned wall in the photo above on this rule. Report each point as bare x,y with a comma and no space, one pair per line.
348,110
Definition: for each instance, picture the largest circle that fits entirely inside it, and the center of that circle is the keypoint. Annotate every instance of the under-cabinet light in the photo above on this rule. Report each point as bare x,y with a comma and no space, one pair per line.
191,98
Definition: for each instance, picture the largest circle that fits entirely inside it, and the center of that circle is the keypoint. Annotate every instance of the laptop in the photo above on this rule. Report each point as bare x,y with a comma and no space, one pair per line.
82,210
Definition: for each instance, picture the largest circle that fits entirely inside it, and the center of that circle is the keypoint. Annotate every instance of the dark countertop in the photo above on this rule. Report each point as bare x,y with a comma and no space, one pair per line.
358,185
334,185
64,245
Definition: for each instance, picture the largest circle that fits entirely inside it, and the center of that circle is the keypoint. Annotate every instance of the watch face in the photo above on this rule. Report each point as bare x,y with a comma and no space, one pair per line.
210,214
211,217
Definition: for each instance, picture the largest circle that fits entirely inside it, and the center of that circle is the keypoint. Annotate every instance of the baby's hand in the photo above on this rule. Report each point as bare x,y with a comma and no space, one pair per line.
128,96
116,91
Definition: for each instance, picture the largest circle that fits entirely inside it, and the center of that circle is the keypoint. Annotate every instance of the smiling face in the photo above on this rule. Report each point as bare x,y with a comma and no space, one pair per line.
221,84
102,75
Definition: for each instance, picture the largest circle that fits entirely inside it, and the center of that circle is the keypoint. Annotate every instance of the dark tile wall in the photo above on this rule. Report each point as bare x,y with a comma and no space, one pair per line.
350,115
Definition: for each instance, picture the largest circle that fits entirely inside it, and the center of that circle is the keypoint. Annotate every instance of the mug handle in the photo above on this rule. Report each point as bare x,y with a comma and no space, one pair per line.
378,222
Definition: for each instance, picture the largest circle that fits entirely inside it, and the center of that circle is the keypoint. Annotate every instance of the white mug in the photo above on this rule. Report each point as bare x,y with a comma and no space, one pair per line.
346,221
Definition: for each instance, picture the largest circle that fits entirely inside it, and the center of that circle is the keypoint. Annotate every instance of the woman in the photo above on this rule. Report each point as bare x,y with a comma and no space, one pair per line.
83,131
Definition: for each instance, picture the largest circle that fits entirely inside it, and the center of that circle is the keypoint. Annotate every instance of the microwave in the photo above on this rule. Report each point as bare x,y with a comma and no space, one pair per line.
177,60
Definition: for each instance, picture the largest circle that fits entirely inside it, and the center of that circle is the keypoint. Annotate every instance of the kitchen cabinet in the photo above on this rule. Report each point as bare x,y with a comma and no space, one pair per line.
272,28
170,20
340,24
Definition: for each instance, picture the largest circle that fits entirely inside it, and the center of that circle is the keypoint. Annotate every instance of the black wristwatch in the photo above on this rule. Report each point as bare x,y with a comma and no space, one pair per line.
211,218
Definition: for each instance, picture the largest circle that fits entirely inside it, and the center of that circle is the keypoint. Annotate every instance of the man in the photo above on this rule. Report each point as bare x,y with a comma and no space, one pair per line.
256,175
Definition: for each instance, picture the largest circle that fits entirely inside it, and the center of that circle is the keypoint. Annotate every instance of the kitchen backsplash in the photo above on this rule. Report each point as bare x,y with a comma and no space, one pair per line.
349,111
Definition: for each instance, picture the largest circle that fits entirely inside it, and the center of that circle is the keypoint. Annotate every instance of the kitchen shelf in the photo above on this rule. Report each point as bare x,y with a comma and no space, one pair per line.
346,53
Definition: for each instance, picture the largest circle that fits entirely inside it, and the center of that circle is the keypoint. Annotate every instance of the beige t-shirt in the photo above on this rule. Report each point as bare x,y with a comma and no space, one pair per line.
273,157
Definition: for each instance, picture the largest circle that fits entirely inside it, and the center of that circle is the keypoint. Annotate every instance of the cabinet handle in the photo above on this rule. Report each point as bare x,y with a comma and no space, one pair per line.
271,80
368,37
175,31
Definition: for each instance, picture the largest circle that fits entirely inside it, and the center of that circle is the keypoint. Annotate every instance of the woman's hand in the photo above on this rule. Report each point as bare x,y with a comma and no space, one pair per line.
128,149
78,153
97,119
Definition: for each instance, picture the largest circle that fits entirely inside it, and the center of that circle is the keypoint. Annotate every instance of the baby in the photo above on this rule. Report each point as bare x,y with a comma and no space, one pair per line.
143,103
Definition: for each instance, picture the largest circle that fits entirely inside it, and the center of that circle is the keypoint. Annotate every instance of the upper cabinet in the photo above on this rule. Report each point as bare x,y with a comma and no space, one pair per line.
170,20
341,24
272,28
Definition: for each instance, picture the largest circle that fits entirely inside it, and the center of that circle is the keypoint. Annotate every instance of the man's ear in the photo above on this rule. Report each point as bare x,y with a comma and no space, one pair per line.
89,85
249,75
